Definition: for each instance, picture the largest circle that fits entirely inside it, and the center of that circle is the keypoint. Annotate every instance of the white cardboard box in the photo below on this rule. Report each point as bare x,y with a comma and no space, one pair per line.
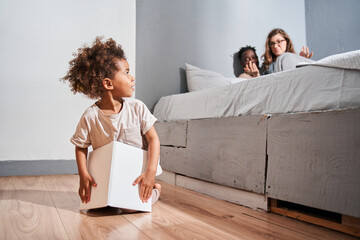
114,168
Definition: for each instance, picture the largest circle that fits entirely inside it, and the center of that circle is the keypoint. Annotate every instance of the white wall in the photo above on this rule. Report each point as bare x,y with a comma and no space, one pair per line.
205,33
38,113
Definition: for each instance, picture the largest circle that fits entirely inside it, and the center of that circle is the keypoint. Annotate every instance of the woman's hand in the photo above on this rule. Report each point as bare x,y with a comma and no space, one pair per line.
305,52
86,182
147,182
252,69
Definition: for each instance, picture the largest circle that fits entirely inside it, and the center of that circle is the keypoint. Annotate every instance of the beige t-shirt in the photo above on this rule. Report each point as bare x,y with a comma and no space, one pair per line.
98,129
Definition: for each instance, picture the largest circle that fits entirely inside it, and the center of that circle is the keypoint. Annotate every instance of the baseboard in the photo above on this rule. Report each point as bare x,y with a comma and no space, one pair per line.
37,167
238,196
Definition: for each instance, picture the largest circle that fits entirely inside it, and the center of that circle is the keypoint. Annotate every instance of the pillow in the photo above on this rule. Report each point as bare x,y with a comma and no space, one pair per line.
199,79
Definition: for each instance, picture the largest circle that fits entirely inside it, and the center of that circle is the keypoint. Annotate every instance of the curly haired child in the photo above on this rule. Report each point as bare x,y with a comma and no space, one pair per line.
102,72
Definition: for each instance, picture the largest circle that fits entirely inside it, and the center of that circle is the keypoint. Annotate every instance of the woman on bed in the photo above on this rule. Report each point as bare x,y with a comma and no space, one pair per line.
280,54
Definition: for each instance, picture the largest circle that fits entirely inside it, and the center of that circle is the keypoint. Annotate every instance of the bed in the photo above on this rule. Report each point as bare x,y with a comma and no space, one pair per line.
292,135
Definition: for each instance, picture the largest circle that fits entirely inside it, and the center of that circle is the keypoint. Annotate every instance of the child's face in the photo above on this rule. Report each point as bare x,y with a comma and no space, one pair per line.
124,83
247,57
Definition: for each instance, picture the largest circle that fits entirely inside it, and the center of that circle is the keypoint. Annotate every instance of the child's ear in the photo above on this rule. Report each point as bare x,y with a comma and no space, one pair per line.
107,83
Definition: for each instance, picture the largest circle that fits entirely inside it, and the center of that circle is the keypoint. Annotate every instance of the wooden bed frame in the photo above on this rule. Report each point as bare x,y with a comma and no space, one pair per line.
312,159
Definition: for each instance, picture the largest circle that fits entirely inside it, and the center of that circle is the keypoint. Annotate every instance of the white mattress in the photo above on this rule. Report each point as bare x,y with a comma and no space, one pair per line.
332,83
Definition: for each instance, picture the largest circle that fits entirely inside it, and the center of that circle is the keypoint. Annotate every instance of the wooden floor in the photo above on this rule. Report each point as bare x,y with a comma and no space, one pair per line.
46,207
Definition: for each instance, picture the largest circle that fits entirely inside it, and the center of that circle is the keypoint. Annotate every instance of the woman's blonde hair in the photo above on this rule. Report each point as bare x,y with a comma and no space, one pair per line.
268,57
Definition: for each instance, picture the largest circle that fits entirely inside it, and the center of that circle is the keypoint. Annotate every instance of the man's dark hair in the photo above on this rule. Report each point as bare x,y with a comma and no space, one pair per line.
243,49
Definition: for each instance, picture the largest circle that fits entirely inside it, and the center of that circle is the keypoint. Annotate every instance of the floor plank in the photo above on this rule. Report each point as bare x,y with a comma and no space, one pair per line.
306,229
47,207
310,230
105,223
27,211
63,190
225,220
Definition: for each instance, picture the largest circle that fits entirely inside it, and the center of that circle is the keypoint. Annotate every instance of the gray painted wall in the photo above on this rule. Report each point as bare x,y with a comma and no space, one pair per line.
207,33
204,33
332,26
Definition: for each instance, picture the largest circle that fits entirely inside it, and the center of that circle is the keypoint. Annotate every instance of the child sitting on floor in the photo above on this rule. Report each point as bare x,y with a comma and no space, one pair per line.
101,71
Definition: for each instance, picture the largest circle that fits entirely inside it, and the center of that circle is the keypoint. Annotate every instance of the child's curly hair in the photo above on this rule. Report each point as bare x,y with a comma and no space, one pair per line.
91,65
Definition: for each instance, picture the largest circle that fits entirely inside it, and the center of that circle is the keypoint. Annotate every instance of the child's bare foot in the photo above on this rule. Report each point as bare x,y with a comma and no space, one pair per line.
158,187
156,193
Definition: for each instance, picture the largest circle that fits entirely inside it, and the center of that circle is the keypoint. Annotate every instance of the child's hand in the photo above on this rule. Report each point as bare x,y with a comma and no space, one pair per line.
147,182
86,182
